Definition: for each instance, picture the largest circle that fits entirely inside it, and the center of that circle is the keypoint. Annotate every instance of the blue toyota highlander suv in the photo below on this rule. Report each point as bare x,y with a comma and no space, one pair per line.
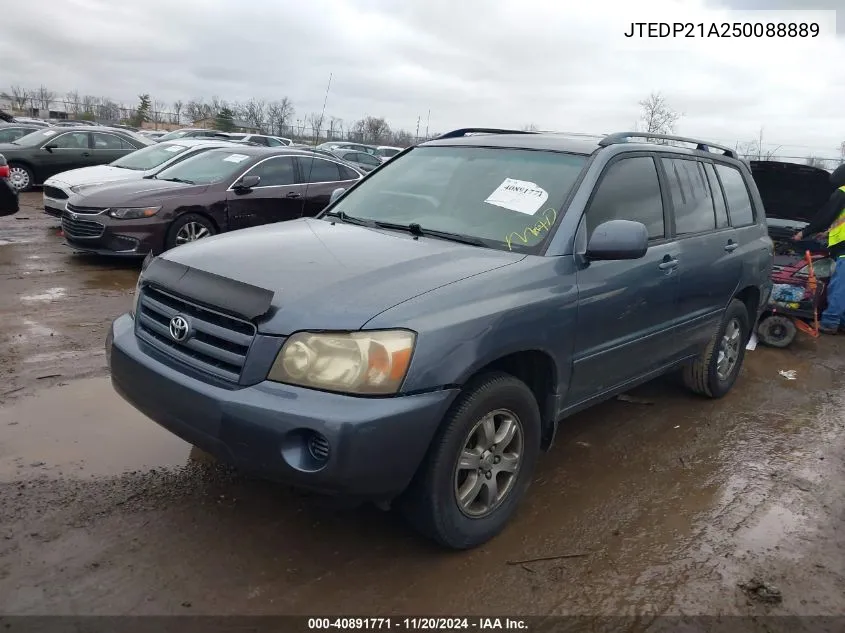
420,340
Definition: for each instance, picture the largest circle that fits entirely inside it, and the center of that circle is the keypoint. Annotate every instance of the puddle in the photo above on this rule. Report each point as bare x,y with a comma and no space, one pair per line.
45,297
83,429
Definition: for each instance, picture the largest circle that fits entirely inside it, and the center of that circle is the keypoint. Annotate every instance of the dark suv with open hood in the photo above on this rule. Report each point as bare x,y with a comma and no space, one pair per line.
420,340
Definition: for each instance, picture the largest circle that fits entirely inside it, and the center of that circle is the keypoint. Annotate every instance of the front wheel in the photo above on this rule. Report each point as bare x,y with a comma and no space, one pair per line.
714,373
479,464
21,177
188,228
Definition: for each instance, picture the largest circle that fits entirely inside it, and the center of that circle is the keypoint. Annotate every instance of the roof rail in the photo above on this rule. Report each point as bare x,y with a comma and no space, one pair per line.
704,146
466,131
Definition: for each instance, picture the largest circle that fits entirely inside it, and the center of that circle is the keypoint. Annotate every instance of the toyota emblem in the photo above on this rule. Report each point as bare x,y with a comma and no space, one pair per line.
73,216
179,328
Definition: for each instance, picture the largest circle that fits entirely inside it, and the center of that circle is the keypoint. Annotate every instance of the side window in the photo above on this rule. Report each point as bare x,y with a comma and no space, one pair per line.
739,202
367,159
124,144
73,140
261,140
718,197
629,190
691,197
273,142
274,172
319,170
106,141
347,174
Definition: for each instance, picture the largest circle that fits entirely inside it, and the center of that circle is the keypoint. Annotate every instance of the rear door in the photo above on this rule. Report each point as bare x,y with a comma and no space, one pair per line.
319,178
108,147
276,198
710,266
626,309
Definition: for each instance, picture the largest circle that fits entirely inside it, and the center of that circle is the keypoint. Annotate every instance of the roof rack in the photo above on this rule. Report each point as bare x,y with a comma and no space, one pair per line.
703,146
466,131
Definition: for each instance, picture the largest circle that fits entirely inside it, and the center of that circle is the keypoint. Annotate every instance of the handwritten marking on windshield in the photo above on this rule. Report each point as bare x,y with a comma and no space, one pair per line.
544,224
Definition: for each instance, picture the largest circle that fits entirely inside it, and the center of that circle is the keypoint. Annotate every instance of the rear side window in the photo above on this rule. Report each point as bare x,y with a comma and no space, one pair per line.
318,170
718,197
346,173
629,190
690,195
739,202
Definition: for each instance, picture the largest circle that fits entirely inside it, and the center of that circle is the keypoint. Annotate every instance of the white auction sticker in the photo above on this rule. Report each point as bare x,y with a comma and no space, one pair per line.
236,158
518,195
173,148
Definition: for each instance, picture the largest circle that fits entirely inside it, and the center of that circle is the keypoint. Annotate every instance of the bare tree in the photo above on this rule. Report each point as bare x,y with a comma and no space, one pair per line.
46,98
215,106
159,112
108,110
196,110
335,128
253,112
656,116
402,138
73,102
89,106
18,96
530,127
279,114
177,112
314,120
372,129
842,151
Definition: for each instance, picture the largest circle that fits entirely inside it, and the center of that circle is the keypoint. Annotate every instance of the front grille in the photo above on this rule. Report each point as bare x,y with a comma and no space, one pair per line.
83,210
81,228
54,192
217,343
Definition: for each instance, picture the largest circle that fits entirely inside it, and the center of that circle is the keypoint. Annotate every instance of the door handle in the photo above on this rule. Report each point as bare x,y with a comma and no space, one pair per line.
731,246
293,194
86,153
668,264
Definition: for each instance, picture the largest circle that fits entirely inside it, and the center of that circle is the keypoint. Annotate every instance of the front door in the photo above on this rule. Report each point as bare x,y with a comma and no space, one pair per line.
276,198
710,266
68,150
626,309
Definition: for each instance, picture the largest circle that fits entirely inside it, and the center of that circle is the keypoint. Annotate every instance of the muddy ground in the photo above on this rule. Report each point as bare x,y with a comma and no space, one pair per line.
669,505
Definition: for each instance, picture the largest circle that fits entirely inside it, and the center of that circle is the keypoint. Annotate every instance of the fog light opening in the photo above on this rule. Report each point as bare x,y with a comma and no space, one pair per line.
318,447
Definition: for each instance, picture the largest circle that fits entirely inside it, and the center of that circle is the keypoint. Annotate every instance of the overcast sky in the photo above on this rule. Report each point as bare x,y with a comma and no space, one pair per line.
559,64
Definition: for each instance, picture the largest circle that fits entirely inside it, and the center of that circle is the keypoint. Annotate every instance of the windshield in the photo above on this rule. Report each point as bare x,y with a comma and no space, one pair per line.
206,168
37,138
149,157
172,136
509,198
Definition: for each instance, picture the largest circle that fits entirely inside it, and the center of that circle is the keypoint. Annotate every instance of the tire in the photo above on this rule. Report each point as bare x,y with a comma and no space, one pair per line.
21,177
431,503
702,375
186,225
776,331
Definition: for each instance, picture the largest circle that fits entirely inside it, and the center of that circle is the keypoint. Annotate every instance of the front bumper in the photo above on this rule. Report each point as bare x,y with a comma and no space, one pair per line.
374,444
101,234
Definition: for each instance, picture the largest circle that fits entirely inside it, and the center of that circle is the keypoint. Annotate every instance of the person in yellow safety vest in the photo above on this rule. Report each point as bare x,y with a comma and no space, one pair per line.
831,218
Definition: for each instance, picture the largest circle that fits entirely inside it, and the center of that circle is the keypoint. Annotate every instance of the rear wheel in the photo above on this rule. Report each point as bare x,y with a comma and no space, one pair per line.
479,464
21,177
188,228
776,331
714,373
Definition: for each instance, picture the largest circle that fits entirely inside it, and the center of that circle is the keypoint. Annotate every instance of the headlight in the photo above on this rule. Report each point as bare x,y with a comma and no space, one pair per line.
373,362
133,213
78,188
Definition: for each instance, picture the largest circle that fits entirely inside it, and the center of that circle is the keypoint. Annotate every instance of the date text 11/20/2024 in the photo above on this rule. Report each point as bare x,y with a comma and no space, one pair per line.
418,624
723,29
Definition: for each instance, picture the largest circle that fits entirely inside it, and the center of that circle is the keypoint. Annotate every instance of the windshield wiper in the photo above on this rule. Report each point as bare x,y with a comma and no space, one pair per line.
415,229
348,219
182,180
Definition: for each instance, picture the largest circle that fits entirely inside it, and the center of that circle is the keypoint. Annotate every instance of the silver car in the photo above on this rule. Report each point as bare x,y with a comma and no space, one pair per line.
135,166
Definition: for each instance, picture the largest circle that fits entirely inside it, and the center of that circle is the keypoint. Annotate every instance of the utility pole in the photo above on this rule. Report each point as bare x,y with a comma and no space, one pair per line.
418,128
427,121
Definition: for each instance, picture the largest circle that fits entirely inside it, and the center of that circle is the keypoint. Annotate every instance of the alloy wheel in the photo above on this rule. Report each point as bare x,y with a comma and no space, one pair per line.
191,232
729,349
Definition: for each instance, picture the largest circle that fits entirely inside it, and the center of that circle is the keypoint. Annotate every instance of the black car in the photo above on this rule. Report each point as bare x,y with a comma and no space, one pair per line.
13,131
8,194
37,156
219,190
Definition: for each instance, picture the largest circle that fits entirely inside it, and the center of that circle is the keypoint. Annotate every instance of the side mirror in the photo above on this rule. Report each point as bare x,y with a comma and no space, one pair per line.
618,239
247,182
50,147
337,193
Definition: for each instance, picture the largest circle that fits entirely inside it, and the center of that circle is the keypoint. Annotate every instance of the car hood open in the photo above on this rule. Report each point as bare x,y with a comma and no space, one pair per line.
94,175
321,275
791,191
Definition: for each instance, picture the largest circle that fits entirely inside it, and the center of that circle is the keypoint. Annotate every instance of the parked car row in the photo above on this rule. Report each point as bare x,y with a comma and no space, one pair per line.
8,194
